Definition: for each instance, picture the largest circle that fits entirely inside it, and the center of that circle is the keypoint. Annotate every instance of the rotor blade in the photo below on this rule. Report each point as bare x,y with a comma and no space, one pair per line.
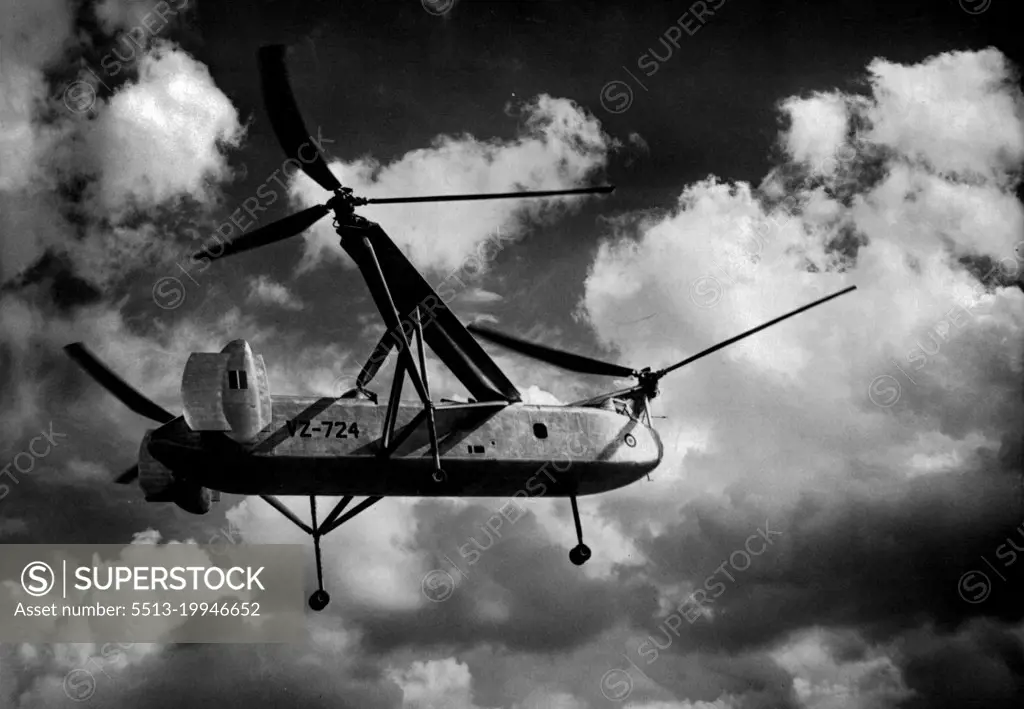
128,476
603,189
284,115
662,372
121,390
281,229
565,360
378,358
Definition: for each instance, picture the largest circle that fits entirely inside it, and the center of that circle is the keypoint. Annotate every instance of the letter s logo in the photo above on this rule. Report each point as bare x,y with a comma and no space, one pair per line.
41,576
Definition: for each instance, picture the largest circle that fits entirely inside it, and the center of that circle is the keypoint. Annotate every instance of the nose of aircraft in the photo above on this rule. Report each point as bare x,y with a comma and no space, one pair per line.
640,446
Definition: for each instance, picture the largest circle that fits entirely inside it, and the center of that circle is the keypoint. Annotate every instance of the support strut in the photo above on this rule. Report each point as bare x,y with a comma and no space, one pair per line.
438,474
391,414
277,505
338,509
320,598
362,506
394,321
406,364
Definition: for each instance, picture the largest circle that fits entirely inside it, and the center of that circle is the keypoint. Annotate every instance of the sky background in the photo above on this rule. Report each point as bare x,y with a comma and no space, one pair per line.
782,151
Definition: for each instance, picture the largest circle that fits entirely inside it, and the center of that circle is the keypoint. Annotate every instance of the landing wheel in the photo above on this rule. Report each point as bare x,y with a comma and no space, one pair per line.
319,600
439,476
579,554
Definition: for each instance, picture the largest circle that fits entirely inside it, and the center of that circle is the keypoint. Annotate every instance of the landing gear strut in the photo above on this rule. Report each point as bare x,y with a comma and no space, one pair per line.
320,598
581,552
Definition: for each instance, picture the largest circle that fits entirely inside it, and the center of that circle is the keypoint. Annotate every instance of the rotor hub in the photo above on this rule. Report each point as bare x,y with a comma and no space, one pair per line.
343,204
343,200
648,381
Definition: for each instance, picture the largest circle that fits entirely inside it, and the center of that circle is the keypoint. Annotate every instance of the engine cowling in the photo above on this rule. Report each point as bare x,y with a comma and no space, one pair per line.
159,484
227,391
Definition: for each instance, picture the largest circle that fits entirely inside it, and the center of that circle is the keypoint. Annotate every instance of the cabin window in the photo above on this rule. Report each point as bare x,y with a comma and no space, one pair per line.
478,449
237,379
540,430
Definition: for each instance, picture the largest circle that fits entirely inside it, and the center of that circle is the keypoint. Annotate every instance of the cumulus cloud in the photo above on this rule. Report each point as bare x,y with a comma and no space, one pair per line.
560,146
162,137
84,175
760,258
898,402
34,35
819,126
434,683
264,290
135,14
834,669
959,112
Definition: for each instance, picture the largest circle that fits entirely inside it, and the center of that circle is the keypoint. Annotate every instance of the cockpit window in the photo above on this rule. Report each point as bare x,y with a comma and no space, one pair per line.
237,379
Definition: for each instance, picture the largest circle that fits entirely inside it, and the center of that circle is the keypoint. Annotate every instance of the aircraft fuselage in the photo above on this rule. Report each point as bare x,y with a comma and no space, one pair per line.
332,446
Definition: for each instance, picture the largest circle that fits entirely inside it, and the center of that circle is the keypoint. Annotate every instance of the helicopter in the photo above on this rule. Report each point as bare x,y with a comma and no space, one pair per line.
235,436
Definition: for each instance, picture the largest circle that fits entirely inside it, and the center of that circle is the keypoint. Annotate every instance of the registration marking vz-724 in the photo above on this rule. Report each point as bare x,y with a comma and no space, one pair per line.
341,429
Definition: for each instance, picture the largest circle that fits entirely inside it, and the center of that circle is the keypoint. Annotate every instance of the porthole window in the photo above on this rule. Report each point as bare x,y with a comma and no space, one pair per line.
540,430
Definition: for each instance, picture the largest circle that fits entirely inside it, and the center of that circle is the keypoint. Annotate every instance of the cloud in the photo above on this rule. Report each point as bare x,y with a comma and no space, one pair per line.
13,526
536,396
717,704
560,146
53,673
264,290
33,36
477,296
960,112
838,670
981,664
434,683
916,208
74,164
817,367
34,33
818,128
134,14
162,137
